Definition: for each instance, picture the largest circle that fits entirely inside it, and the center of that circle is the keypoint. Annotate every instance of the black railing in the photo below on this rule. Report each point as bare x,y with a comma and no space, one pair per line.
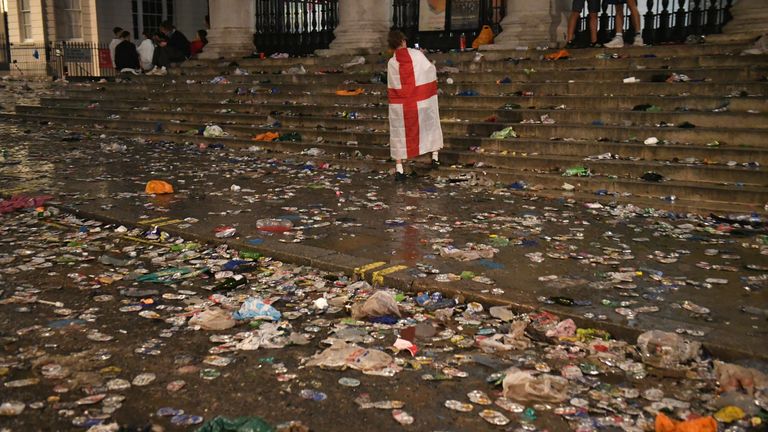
5,45
664,21
296,27
62,59
473,15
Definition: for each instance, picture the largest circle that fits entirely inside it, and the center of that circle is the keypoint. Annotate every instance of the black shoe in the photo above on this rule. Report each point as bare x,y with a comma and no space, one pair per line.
570,44
400,177
434,165
596,45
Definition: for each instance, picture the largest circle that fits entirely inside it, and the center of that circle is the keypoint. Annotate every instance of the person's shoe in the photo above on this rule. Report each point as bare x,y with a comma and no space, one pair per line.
162,71
154,71
616,42
638,40
570,44
400,177
434,165
595,45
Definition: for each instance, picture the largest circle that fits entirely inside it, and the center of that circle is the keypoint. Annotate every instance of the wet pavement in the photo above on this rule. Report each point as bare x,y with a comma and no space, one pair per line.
632,267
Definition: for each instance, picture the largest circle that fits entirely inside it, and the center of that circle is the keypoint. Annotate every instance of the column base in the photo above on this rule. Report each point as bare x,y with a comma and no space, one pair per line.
225,45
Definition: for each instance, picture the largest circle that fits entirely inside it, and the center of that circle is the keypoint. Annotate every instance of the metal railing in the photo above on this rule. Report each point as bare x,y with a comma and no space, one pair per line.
5,54
62,59
296,27
665,21
461,17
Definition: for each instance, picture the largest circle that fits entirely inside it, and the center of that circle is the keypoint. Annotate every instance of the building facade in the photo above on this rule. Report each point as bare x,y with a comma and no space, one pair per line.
39,30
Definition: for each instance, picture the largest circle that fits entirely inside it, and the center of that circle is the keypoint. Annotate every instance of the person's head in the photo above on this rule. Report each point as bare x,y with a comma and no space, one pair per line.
161,39
202,35
125,35
146,34
396,39
117,31
167,27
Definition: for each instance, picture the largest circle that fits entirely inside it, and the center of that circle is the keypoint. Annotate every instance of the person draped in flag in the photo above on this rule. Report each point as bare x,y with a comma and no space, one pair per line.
414,118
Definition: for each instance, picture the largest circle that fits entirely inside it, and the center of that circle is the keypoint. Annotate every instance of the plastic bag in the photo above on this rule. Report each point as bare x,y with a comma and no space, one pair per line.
381,303
213,131
564,329
255,308
734,378
701,424
525,386
666,350
267,336
484,38
240,424
514,340
342,355
213,319
158,187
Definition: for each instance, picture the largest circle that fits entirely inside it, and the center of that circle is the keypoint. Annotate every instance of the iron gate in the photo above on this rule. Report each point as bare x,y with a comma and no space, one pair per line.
296,27
405,18
664,21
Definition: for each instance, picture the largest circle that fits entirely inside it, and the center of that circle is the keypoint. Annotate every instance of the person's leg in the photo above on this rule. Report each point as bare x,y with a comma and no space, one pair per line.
576,7
634,15
593,28
618,39
399,173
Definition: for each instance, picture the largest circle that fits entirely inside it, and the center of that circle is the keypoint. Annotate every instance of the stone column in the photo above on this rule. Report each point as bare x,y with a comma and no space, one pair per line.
363,28
750,20
232,26
526,24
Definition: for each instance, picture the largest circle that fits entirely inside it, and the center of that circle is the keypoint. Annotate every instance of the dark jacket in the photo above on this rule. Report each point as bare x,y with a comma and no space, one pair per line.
179,42
126,56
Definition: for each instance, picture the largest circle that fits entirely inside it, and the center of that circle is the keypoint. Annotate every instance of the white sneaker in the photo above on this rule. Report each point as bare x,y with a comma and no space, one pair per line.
616,42
162,71
153,71
638,40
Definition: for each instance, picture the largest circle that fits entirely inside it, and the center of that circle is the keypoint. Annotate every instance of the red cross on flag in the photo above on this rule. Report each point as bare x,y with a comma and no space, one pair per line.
414,119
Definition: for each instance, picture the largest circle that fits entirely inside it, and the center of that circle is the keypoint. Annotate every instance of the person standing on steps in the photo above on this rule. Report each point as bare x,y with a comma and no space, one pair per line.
114,43
593,6
634,15
414,118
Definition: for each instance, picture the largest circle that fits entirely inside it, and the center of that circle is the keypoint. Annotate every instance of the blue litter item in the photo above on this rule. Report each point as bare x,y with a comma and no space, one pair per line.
386,319
493,265
518,185
256,241
255,308
234,264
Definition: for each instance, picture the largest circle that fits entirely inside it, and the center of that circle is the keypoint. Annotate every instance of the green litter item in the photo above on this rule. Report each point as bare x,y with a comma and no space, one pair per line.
577,171
246,255
185,246
399,297
240,424
653,108
166,276
467,275
499,241
290,136
713,144
507,132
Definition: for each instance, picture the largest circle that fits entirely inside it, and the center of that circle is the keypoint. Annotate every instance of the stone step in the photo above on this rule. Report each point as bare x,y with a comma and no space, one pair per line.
583,115
623,63
674,50
519,160
377,117
177,90
483,74
307,103
339,129
748,196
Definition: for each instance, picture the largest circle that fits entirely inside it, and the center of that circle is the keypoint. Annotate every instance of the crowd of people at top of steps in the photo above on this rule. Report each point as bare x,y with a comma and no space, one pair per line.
156,52
593,7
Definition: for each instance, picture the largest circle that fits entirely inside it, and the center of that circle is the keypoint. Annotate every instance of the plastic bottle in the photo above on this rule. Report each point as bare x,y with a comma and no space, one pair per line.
462,42
274,225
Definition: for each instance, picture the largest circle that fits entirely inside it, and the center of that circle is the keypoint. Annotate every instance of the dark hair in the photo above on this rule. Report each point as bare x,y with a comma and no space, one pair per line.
167,24
117,30
147,33
203,36
160,36
125,34
395,39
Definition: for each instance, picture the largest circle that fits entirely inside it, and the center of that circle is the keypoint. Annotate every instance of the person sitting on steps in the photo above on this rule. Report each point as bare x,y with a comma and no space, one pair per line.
172,47
126,56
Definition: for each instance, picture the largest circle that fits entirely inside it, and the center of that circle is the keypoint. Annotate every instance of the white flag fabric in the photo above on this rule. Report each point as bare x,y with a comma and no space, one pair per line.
414,119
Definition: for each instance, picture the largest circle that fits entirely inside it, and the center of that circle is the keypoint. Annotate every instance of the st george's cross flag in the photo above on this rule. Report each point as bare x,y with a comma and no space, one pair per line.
414,119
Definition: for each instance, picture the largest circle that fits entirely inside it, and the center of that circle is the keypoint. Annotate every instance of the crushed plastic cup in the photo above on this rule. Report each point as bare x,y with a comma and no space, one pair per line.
274,225
313,395
458,405
494,417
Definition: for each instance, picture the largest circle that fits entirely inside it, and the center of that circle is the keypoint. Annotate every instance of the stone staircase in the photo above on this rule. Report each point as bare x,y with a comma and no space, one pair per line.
593,118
